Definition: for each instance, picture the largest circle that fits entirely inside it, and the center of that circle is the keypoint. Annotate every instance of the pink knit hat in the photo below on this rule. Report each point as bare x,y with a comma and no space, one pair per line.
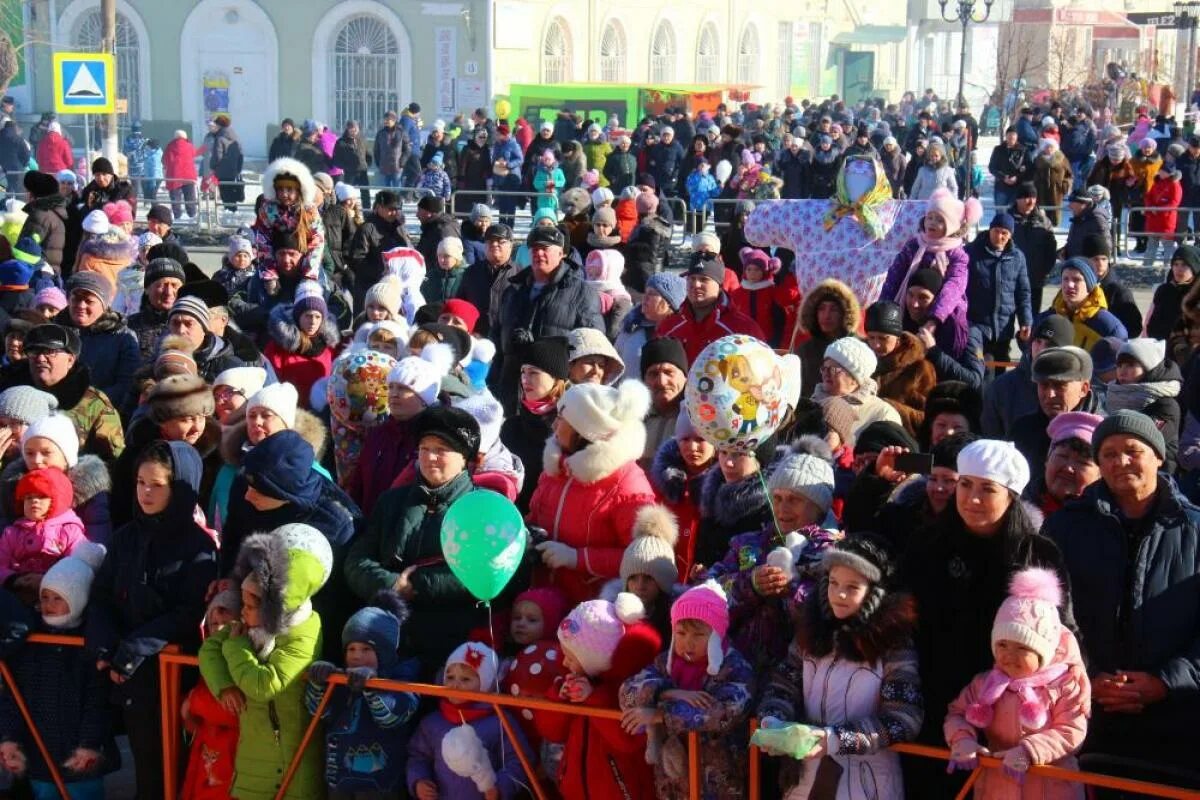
752,255
552,603
646,203
1029,615
1073,425
118,212
953,211
705,603
51,296
594,629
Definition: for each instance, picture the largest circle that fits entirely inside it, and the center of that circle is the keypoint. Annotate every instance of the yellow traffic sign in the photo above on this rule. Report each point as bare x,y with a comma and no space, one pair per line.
85,83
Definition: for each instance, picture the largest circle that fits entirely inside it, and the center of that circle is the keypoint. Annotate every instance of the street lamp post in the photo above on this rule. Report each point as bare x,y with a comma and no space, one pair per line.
1186,15
964,12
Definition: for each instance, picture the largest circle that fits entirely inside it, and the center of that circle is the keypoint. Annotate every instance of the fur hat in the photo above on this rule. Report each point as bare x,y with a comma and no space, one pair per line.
709,604
59,429
598,413
26,404
379,626
423,374
481,659
865,554
289,166
608,638
278,398
387,293
71,579
175,357
179,396
284,568
49,482
652,551
996,461
854,356
806,468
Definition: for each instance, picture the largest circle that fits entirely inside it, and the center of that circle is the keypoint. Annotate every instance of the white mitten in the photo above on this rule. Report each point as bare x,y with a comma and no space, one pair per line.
465,755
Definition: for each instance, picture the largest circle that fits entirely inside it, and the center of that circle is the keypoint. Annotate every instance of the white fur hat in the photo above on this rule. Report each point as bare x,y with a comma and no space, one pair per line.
997,461
279,398
854,356
248,380
59,429
599,412
423,374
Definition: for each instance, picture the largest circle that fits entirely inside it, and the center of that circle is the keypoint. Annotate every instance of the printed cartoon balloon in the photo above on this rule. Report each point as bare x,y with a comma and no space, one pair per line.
735,393
357,388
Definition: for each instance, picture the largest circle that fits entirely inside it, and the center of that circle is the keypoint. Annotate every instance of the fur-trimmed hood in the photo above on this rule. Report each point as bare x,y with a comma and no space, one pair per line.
598,460
889,623
290,565
669,476
831,289
286,333
289,166
234,439
730,502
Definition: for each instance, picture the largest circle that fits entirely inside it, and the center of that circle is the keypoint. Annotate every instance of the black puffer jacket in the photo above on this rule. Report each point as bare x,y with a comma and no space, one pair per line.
47,220
111,353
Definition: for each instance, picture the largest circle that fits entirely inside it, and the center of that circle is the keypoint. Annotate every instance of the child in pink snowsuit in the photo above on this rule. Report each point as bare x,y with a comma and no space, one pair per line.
47,531
1033,706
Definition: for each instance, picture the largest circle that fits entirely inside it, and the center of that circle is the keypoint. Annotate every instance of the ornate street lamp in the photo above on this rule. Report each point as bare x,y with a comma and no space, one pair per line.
964,12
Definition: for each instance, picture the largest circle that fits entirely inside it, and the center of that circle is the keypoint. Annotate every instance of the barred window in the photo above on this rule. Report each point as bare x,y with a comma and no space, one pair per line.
556,53
612,54
749,54
366,73
662,54
89,36
708,56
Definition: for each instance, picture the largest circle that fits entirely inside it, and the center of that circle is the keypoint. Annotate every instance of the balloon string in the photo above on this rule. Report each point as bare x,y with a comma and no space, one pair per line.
496,688
771,507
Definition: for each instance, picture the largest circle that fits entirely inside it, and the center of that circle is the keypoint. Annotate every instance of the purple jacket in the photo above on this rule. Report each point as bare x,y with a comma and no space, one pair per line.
954,286
425,760
327,140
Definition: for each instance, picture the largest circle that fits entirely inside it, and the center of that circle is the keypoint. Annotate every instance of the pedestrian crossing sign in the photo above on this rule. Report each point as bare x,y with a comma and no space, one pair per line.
84,83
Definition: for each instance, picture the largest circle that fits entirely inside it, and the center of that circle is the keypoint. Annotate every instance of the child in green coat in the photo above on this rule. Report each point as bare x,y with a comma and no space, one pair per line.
255,667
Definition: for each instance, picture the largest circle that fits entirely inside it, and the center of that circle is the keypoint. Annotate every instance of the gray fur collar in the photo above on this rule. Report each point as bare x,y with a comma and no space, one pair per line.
730,502
89,478
233,435
286,333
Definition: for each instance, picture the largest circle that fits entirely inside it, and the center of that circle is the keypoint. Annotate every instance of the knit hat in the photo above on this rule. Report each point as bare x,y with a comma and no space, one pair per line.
308,297
103,166
379,625
806,468
549,355
1029,615
1128,423
481,211
179,396
593,631
854,356
67,176
96,223
160,268
280,466
841,418
670,286
551,601
387,293
705,240
464,310
604,216
451,246
583,342
602,196
247,380
709,604
1068,363
454,426
996,461
193,307
40,184
1073,425
423,374
885,317
481,659
1081,265
646,203
1144,350
26,404
323,181
1095,244
278,398
1003,220
663,351
50,483
71,579
1055,329
652,551
943,203
161,213
50,296
599,413
1026,191
865,554
28,250
15,274
488,414
92,283
343,192
118,212
58,428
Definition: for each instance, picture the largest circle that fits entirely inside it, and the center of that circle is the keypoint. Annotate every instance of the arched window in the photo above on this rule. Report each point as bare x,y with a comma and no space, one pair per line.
556,53
88,37
708,56
662,54
612,54
748,55
366,73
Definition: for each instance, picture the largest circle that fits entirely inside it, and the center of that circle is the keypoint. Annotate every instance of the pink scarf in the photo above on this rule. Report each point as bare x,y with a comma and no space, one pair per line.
540,407
939,248
1033,713
689,675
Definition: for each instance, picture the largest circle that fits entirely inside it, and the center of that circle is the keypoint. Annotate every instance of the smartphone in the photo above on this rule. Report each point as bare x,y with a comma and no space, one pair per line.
915,463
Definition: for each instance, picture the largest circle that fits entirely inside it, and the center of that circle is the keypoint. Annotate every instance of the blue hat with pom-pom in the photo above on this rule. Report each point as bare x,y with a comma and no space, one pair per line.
379,626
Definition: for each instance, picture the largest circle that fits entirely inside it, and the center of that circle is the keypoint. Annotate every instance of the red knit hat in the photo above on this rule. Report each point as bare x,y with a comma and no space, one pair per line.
47,482
464,310
551,601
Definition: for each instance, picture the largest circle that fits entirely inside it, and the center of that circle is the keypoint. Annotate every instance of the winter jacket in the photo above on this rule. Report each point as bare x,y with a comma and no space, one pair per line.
214,730
548,184
367,732
99,425
510,151
1029,434
149,325
111,353
14,151
812,350
1166,308
1090,221
311,155
524,434
433,230
391,150
449,157
679,491
350,155
54,153
588,501
1165,194
426,762
955,278
46,219
436,181
442,284
1053,178
387,449
1010,161
931,178
296,359
374,237
1009,397
997,288
27,546
215,355
404,531
723,320
757,301
793,168
726,510
620,169
283,146
225,157
1092,320
1123,577
483,286
721,726
663,163
1114,176
68,700
905,377
1156,396
1079,142
1034,237
1145,169
91,487
654,231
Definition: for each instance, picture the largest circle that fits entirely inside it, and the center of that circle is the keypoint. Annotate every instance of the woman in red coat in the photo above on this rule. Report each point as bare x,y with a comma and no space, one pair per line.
591,487
1165,193
303,342
179,168
54,151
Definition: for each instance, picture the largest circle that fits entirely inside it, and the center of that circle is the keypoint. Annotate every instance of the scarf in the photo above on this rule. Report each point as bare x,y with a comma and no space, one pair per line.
598,242
689,675
1033,714
826,156
939,248
1136,396
464,714
865,208
541,407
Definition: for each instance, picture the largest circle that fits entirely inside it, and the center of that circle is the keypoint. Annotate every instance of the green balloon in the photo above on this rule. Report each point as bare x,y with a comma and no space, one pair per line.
483,540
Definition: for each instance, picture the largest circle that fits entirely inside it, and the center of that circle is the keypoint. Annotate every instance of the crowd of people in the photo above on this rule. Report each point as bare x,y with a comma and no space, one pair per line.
921,551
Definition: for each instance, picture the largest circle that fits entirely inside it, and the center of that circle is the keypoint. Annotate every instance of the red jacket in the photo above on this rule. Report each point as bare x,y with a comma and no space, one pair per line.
724,320
588,500
759,304
1167,194
787,297
300,371
627,218
54,153
179,162
210,762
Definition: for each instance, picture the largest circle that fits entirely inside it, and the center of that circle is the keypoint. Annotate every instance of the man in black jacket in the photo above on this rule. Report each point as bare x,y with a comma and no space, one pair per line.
309,152
284,145
392,149
436,225
1034,236
382,230
1097,250
350,156
485,280
1011,165
1064,383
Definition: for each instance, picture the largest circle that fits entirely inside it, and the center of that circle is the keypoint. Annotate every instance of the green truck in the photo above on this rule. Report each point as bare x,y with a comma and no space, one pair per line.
539,102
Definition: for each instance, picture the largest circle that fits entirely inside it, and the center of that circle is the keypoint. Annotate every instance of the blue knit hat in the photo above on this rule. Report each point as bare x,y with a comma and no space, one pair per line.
379,625
1084,268
15,273
280,466
28,249
671,286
